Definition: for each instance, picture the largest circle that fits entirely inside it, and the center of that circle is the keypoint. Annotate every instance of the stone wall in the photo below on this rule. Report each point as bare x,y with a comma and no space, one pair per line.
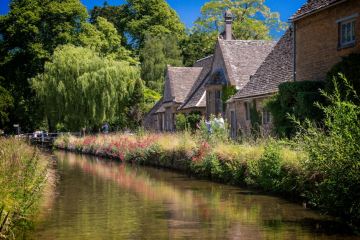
318,38
240,110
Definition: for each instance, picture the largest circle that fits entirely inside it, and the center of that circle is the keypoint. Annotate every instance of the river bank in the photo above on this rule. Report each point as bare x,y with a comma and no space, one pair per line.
26,176
272,165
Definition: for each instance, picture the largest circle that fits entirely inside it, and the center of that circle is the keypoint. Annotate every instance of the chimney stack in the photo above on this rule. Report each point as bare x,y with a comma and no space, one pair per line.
228,25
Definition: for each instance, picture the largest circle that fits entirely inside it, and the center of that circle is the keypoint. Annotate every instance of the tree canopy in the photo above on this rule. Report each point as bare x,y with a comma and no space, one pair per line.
80,88
6,102
158,52
252,19
31,31
138,18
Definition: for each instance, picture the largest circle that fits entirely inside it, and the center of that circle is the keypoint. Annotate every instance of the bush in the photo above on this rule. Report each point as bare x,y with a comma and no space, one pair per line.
333,171
350,67
296,98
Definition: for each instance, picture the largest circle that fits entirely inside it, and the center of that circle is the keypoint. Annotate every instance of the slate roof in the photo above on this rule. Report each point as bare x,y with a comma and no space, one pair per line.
243,57
277,68
161,108
155,108
312,6
195,97
179,82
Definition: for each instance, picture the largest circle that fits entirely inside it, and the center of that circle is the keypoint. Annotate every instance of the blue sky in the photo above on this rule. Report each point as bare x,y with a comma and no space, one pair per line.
189,10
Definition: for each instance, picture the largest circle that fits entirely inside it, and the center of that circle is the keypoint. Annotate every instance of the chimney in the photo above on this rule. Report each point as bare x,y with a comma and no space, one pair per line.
228,25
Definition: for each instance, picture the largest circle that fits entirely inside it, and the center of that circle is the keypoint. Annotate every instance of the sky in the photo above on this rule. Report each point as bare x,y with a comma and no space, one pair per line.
189,10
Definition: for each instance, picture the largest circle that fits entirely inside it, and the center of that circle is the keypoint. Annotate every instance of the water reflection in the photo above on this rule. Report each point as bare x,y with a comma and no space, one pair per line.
100,199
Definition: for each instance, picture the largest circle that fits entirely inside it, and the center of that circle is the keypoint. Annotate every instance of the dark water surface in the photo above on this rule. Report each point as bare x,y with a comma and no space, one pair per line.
101,199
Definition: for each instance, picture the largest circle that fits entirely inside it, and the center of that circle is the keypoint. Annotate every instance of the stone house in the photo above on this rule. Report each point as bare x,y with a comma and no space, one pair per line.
323,32
183,93
200,87
234,62
275,69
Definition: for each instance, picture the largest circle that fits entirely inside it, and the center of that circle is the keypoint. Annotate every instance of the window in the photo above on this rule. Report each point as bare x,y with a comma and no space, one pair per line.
247,110
266,117
347,32
219,102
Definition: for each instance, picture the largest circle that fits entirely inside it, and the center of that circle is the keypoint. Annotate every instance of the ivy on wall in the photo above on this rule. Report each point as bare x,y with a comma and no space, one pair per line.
227,93
255,119
295,98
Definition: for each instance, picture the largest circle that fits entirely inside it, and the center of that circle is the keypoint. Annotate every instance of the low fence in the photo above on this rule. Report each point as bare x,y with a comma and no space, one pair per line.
45,138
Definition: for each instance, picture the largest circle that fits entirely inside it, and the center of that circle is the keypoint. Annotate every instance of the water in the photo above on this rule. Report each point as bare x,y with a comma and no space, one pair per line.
102,199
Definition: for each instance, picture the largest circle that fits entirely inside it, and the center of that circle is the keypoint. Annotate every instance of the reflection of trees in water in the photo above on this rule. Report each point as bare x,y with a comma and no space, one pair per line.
193,208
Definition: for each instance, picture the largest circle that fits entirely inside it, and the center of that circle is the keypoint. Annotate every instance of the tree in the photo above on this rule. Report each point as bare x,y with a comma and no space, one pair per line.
103,38
252,19
197,45
138,18
6,102
79,88
158,52
31,31
115,15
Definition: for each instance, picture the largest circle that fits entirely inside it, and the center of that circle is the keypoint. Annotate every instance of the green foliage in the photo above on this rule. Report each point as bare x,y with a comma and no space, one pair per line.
350,67
252,20
255,120
184,122
102,37
113,14
134,103
197,45
150,99
289,91
6,103
294,98
30,32
181,122
227,93
24,173
192,118
77,80
158,52
333,166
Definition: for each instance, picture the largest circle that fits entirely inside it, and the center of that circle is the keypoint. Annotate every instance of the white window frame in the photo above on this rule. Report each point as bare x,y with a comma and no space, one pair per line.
344,22
163,122
247,111
344,30
267,117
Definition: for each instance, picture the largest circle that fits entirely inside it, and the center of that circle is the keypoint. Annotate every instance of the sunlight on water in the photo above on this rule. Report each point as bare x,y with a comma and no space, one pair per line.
100,199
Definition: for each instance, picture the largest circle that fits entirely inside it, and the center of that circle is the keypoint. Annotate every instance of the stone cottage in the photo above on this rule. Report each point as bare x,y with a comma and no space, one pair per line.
275,69
183,93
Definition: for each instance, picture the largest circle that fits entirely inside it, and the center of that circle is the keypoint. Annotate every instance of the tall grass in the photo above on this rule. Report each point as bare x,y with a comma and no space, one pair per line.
25,174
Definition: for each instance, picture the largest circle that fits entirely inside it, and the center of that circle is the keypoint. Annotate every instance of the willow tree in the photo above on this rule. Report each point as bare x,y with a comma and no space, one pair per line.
79,88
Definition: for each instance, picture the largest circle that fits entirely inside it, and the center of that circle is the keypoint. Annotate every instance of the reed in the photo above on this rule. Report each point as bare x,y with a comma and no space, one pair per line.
25,175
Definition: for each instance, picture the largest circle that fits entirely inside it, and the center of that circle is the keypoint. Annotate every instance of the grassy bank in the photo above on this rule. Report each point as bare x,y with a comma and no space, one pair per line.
321,164
25,176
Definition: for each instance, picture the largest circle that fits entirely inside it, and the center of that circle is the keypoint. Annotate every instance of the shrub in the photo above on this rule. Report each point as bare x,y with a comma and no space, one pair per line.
294,98
350,67
333,167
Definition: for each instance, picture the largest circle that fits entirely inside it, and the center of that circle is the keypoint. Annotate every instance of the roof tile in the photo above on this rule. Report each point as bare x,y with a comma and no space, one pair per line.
277,68
311,6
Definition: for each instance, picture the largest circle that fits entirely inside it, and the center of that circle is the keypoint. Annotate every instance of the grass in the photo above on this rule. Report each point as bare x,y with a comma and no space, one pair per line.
25,175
